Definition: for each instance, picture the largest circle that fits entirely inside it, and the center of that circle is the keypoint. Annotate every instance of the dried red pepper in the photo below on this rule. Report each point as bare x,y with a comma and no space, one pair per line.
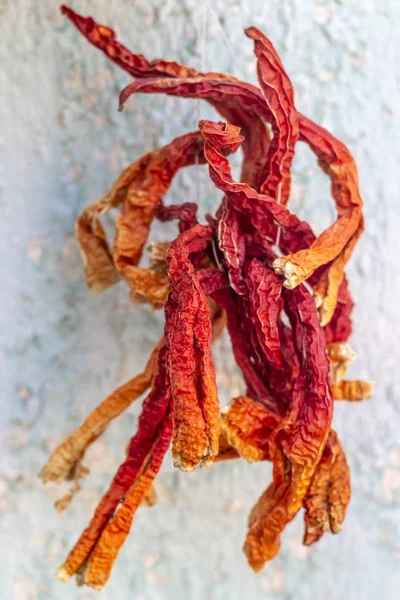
188,332
155,410
279,95
289,341
256,134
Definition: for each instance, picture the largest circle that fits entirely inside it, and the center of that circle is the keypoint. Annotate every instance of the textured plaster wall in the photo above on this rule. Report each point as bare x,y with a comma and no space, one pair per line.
62,350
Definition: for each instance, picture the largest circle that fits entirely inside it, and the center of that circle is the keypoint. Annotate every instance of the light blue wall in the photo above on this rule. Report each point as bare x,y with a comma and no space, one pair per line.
62,350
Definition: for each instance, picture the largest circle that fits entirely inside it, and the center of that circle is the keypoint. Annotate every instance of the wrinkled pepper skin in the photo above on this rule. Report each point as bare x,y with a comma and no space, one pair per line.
254,269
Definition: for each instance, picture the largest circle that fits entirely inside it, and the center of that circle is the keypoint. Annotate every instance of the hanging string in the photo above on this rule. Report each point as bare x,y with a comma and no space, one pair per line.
233,56
202,45
206,8
276,246
224,35
203,38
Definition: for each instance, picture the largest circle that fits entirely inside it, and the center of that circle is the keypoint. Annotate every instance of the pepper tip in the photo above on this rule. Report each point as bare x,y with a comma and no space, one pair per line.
62,574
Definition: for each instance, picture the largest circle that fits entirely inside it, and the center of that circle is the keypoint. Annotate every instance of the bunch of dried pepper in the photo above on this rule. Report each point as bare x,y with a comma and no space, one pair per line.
288,315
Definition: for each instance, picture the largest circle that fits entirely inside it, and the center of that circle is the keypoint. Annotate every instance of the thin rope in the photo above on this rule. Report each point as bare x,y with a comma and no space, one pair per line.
233,56
278,231
202,43
203,39
224,35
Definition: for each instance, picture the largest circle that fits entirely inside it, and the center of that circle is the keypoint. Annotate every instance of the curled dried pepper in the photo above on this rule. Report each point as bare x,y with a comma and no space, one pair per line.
257,139
144,195
99,269
335,159
139,188
279,95
289,339
262,212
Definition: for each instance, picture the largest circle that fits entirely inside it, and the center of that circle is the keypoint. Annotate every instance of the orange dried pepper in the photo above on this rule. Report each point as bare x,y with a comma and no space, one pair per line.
341,355
139,189
328,495
352,390
247,427
68,455
338,241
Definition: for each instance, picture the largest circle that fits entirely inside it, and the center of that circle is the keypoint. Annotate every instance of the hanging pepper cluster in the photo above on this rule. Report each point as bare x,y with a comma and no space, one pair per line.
256,269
